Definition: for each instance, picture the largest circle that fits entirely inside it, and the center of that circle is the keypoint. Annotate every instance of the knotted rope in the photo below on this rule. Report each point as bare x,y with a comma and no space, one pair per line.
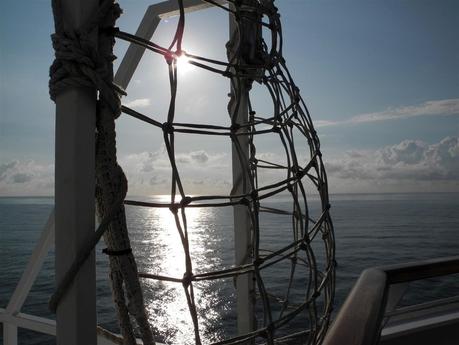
80,62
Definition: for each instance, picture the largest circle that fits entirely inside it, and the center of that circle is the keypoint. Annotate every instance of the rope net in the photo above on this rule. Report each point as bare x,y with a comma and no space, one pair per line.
251,60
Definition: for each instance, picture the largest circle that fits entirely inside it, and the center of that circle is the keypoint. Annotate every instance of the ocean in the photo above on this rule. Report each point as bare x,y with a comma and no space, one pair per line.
370,229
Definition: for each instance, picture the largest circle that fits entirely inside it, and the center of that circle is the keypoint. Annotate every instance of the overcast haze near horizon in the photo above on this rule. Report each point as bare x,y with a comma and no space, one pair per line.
381,80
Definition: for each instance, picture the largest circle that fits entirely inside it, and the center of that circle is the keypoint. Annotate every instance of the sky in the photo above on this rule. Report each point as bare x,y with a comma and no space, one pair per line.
380,78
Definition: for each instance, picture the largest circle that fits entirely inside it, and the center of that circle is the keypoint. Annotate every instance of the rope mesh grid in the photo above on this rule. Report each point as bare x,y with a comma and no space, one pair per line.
290,119
249,60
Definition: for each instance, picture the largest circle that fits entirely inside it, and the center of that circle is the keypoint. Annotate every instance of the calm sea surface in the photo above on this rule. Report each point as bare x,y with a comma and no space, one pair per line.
371,230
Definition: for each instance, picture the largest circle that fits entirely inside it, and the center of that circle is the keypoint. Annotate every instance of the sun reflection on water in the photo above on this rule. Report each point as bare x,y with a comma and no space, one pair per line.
162,253
159,251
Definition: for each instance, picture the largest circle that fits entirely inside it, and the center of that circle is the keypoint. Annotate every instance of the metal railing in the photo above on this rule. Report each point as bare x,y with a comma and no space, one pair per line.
360,319
12,318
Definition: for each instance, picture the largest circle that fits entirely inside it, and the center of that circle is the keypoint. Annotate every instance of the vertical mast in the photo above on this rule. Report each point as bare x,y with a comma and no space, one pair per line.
243,227
74,194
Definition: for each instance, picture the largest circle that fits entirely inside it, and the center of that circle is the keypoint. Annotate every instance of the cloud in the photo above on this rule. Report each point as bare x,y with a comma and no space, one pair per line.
26,178
21,178
201,172
199,157
430,108
408,161
409,166
194,104
5,168
325,123
138,103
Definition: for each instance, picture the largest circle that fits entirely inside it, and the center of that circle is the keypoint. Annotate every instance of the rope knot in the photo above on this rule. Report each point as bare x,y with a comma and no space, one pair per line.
276,129
187,279
174,208
77,61
303,245
245,202
258,262
300,174
235,127
185,201
169,57
168,128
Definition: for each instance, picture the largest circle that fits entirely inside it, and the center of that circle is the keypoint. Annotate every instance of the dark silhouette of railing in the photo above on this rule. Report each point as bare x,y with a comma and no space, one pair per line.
360,319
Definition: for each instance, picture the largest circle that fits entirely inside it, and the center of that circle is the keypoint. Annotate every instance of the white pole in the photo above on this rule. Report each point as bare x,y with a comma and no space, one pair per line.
74,196
245,287
135,52
10,333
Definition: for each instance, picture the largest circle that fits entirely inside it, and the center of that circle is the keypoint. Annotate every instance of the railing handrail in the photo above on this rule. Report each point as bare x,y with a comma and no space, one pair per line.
359,320
401,273
48,326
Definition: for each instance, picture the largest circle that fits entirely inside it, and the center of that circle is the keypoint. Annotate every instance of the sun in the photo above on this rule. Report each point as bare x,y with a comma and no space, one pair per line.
183,65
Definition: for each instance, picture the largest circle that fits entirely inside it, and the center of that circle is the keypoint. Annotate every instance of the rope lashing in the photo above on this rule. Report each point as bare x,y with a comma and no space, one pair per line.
82,256
117,252
80,62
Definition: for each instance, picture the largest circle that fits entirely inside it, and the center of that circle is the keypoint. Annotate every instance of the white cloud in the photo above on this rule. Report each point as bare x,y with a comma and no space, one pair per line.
325,123
138,103
26,178
199,156
408,166
430,108
201,172
409,163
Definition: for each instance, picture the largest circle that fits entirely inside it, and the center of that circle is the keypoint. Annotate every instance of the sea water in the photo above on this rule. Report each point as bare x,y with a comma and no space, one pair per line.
371,230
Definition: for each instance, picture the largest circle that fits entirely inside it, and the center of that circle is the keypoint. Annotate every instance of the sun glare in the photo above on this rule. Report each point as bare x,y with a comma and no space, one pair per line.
183,65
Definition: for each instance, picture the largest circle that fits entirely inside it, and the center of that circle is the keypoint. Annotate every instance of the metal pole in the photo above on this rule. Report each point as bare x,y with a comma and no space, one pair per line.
135,52
74,195
245,287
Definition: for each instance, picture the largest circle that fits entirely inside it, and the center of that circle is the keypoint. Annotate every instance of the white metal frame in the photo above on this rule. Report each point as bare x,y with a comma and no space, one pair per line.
11,317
